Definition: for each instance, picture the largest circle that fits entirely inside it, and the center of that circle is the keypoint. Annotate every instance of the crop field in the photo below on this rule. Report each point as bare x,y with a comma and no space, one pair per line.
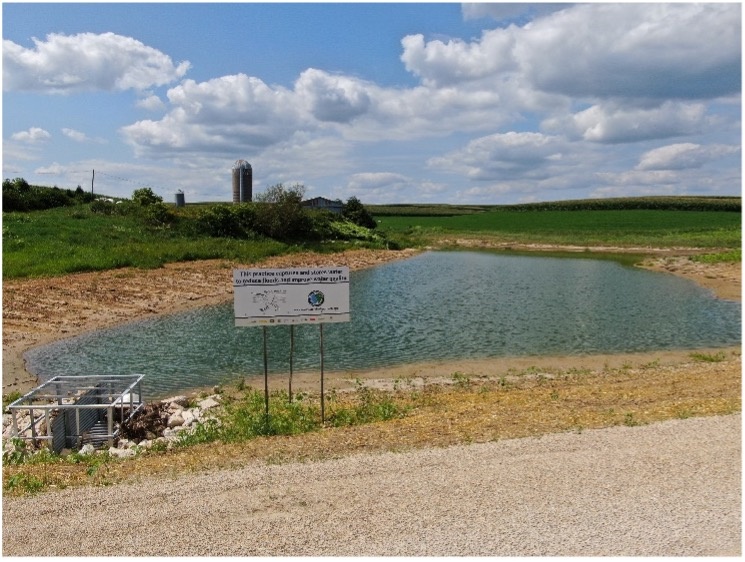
582,227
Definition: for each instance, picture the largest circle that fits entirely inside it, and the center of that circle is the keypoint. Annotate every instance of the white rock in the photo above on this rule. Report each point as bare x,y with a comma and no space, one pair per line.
87,449
180,400
208,403
168,434
175,420
189,416
122,453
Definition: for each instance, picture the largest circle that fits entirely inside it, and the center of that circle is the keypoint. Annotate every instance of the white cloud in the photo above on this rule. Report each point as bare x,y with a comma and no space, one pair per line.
220,115
635,51
33,135
439,63
331,97
594,51
614,123
150,102
86,62
77,136
683,156
506,156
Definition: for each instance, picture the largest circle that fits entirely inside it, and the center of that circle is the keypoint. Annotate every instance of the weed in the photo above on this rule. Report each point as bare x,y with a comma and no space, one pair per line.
27,483
709,357
629,420
461,380
16,451
10,398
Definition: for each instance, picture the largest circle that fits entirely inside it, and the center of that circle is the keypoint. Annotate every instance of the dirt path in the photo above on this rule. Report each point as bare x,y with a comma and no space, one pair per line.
39,311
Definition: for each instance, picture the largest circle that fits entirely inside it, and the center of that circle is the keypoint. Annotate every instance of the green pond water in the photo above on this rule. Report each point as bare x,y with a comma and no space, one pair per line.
435,306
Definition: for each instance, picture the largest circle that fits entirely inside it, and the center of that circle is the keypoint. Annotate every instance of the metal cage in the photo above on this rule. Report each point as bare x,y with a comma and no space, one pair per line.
70,411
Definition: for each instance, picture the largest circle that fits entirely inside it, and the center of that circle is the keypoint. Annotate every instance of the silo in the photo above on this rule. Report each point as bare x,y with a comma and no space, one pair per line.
180,199
242,182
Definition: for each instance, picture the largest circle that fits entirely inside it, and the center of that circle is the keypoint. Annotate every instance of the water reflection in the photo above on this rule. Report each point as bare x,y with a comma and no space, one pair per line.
438,305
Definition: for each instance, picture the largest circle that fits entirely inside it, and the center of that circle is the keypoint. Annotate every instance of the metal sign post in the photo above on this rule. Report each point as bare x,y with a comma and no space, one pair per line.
292,352
266,381
323,412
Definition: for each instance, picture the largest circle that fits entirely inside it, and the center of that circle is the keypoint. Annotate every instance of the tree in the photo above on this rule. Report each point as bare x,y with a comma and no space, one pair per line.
354,211
281,194
145,196
280,215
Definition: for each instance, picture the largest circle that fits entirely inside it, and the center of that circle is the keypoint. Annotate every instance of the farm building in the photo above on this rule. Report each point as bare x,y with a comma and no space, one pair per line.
323,203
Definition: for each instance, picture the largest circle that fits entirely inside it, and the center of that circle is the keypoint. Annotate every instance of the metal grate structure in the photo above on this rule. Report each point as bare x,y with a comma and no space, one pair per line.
70,411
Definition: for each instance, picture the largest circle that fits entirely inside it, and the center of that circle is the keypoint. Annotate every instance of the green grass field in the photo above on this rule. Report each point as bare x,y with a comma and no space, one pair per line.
67,240
623,228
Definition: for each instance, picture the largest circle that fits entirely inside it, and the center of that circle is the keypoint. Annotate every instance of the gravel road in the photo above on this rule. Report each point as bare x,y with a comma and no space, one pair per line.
672,488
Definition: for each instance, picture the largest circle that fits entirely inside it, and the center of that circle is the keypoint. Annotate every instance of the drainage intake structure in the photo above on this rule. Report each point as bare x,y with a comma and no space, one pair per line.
71,411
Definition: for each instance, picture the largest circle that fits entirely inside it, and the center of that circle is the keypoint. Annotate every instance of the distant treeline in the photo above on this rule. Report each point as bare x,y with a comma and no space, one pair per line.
18,195
657,203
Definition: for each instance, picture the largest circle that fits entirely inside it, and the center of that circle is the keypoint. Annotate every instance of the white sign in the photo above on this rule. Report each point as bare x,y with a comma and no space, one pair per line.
290,296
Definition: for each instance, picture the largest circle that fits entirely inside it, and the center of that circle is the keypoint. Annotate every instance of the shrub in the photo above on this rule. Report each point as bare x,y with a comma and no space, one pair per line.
356,212
227,221
102,207
280,214
158,214
145,196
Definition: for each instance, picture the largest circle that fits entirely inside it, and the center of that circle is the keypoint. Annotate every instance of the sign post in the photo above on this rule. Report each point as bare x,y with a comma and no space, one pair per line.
272,297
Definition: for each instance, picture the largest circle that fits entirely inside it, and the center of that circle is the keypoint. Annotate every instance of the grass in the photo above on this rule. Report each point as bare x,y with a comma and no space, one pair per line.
584,228
731,256
472,409
68,239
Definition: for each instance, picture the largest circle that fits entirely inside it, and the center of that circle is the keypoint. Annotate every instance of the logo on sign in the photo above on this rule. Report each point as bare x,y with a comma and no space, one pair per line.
315,298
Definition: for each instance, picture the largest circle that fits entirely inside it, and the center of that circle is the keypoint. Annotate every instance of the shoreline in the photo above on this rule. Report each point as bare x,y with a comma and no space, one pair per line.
40,311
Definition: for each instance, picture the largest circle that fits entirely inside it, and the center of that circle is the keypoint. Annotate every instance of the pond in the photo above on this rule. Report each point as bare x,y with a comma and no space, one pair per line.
435,306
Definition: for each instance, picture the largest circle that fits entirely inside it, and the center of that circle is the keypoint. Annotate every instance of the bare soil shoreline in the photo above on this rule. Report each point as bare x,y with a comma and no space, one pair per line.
40,311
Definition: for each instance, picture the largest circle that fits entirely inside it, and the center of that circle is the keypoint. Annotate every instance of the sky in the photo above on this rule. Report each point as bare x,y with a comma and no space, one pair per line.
386,102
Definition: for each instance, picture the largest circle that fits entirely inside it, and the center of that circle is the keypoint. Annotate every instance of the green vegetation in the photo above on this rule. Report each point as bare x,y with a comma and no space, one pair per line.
243,416
659,203
18,195
731,256
145,232
584,228
709,357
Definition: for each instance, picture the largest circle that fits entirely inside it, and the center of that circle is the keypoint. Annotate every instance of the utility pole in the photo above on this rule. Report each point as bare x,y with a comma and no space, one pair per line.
92,178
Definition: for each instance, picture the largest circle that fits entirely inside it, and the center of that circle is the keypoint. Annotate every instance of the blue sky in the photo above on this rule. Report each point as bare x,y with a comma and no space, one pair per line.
391,103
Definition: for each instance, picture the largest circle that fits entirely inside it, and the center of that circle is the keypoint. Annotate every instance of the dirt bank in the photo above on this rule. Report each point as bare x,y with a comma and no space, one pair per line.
39,311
